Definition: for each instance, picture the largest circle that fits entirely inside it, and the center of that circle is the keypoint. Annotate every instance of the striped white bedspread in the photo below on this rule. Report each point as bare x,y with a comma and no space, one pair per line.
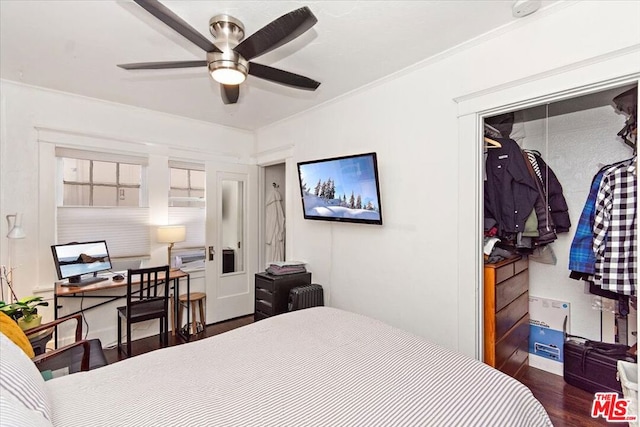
315,367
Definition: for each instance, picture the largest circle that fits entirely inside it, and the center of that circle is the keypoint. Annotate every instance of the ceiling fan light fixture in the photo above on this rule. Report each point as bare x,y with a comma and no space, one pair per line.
228,75
228,57
227,68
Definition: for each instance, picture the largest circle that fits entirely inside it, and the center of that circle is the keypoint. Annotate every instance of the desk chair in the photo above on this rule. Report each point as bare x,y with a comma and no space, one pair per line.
81,355
147,299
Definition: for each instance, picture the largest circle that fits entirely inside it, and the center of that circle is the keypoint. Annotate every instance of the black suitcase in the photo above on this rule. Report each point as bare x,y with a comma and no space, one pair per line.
305,296
591,368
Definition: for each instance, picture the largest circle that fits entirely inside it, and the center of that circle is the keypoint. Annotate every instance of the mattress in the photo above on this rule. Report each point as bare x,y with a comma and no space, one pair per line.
315,367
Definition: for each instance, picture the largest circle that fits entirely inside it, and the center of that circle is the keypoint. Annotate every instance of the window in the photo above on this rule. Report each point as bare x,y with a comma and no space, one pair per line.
100,183
187,186
102,196
187,207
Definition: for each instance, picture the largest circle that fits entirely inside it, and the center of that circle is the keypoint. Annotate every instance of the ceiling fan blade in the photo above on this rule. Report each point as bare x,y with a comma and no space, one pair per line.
283,77
277,33
163,65
174,21
230,93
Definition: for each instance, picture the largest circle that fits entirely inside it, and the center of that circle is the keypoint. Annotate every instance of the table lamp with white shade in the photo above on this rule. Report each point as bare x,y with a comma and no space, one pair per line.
171,234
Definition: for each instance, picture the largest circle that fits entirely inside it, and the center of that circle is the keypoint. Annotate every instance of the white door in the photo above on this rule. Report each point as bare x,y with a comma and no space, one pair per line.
231,240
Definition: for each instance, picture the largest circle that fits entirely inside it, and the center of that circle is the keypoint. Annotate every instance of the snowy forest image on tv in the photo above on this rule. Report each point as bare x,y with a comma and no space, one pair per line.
341,189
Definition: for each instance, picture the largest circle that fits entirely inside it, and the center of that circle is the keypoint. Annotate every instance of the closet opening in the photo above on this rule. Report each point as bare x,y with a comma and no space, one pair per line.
541,163
273,246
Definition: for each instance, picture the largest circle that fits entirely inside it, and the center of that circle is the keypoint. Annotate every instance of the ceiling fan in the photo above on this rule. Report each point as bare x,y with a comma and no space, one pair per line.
229,61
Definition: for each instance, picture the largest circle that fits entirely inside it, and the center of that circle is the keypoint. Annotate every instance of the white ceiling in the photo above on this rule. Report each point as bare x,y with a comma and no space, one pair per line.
74,46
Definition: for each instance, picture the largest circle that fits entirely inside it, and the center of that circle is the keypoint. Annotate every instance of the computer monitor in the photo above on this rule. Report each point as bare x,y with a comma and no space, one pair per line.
73,260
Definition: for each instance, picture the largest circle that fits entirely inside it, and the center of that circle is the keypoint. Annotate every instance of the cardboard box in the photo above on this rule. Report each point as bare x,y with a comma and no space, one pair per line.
546,336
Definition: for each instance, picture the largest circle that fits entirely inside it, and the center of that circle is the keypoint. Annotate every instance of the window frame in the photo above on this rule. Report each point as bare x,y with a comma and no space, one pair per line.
194,201
77,222
92,183
192,216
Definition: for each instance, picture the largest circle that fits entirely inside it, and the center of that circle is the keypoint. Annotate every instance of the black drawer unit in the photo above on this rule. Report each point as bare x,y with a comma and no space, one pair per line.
272,292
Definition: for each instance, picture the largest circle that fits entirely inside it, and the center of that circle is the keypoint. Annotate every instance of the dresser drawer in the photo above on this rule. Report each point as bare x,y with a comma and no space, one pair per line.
509,270
264,306
520,265
511,289
265,283
516,338
258,315
511,314
264,294
272,291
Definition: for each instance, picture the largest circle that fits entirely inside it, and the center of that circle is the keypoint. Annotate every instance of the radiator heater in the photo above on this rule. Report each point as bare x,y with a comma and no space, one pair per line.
305,296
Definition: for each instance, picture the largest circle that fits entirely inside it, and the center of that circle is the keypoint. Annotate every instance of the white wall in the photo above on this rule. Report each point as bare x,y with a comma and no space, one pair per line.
408,272
35,120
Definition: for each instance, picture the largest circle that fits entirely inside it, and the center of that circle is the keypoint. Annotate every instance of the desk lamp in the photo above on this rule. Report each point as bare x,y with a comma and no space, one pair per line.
171,234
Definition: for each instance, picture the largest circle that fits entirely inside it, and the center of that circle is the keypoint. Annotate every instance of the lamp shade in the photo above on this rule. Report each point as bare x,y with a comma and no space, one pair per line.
171,233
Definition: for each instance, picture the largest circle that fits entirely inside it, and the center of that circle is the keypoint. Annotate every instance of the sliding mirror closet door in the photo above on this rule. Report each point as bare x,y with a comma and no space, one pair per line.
231,240
549,159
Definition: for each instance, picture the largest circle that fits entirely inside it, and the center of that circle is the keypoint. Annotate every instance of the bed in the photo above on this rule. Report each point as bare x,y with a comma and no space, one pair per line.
314,367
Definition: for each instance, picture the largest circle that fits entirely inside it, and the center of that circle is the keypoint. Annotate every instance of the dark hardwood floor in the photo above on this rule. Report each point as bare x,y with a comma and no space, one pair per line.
148,344
568,406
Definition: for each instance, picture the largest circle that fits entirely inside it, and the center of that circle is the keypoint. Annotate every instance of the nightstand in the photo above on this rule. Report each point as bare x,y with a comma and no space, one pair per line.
272,292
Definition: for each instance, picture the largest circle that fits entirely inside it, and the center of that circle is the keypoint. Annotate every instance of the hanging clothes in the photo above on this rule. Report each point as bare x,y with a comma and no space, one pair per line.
582,259
523,197
557,205
614,230
546,227
274,228
510,191
603,249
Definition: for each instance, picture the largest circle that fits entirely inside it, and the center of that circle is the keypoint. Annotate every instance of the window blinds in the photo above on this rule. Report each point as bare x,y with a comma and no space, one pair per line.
100,156
186,165
126,231
194,220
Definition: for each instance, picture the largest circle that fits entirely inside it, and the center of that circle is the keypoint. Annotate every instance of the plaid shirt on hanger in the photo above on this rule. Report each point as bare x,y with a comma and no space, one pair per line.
581,256
614,230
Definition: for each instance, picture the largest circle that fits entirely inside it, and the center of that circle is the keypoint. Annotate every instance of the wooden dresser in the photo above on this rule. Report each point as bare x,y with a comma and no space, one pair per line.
272,292
506,314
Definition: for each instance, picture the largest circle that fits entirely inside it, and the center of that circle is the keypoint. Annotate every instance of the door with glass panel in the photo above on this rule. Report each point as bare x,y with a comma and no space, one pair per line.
231,249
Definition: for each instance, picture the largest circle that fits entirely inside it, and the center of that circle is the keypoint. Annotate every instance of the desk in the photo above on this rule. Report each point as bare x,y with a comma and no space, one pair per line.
94,291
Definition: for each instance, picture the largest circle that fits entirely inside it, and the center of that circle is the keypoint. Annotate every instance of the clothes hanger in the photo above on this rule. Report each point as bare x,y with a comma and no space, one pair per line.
491,143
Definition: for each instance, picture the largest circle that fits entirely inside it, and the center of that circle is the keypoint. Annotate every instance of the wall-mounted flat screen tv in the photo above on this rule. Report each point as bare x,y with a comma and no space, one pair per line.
342,189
